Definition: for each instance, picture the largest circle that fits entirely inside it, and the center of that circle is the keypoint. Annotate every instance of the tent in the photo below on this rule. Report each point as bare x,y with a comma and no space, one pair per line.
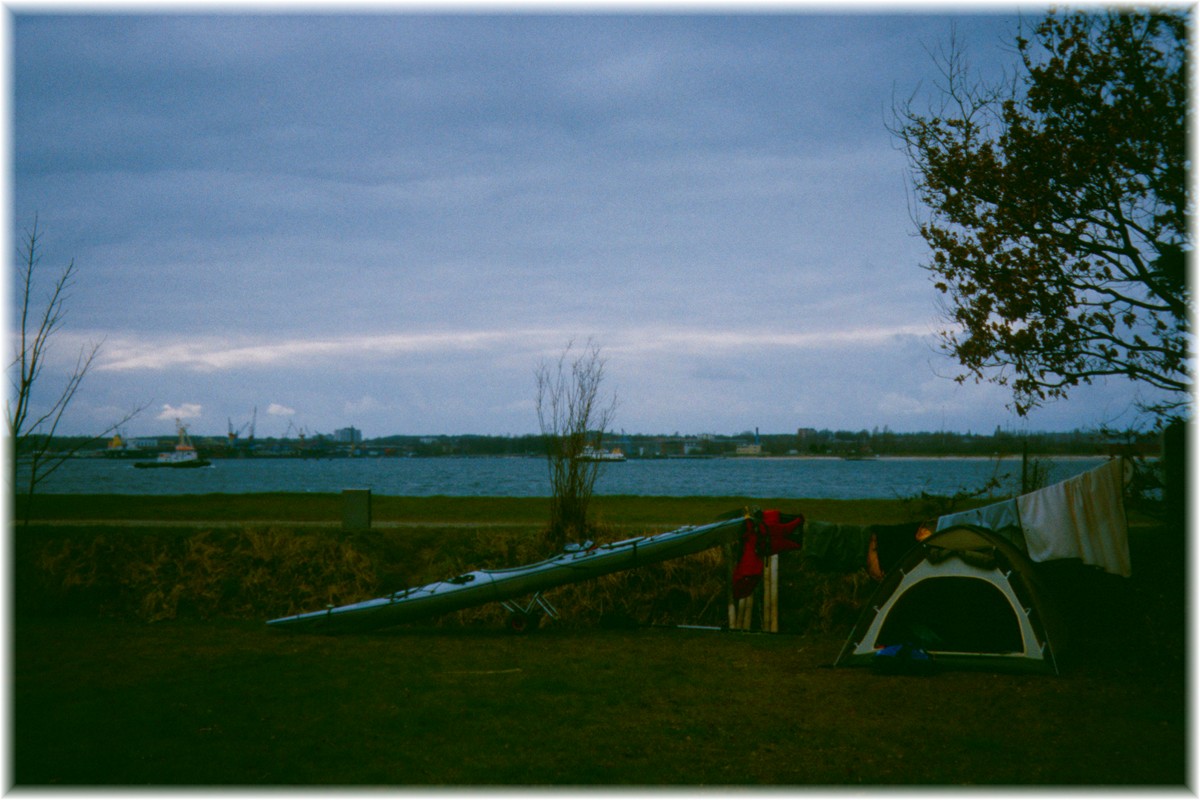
966,596
968,593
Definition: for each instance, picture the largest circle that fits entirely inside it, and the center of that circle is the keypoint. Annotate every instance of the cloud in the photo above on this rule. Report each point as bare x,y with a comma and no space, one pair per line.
893,404
364,405
709,372
184,411
214,354
277,410
702,340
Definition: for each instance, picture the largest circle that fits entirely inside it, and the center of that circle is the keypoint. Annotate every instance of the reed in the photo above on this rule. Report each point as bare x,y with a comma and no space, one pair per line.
812,600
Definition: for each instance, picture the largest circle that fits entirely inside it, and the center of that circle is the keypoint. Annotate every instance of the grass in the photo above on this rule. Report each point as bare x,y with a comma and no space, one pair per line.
191,556
187,703
614,510
152,574
207,695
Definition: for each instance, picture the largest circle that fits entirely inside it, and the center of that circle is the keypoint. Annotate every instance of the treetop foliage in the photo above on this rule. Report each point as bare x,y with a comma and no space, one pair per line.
1057,207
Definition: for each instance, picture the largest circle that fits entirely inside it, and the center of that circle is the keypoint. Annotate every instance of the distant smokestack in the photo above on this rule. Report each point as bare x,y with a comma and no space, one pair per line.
756,434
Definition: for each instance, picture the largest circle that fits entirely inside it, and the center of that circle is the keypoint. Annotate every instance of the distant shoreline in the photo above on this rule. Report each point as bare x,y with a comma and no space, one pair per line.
945,457
723,457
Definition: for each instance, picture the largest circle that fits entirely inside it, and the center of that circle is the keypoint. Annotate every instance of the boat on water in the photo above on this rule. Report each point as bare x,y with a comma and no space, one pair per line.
577,562
184,455
593,454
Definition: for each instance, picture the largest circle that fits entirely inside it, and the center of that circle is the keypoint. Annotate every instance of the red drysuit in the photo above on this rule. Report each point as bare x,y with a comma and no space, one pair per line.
773,534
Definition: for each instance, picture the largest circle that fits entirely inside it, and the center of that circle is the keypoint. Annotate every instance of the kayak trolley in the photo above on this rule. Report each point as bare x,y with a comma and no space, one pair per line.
522,618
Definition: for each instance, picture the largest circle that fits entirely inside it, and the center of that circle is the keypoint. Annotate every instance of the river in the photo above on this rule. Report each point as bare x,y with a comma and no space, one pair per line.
888,478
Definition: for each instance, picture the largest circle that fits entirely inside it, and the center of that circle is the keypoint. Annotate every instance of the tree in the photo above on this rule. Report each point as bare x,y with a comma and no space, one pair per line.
573,417
32,425
1057,207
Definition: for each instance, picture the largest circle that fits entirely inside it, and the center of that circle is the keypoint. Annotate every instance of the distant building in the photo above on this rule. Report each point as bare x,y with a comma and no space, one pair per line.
349,435
749,450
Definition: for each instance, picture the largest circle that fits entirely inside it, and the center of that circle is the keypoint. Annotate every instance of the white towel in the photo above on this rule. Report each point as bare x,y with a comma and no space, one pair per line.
1082,517
1000,518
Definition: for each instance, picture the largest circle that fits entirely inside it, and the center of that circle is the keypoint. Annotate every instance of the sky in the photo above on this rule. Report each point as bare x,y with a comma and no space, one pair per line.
388,219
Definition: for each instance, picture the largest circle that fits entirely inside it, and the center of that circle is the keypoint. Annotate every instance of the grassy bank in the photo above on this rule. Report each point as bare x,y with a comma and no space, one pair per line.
259,556
267,555
253,573
327,508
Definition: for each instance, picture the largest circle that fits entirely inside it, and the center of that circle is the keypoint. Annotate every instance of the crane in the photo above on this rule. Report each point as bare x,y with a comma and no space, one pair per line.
234,433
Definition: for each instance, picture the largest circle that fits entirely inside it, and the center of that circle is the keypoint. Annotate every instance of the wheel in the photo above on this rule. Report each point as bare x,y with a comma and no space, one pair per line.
521,622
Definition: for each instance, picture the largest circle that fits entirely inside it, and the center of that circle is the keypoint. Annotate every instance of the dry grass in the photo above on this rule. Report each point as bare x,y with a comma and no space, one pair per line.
204,575
263,572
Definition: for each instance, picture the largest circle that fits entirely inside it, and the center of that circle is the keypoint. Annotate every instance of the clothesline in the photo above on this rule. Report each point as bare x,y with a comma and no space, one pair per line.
1082,517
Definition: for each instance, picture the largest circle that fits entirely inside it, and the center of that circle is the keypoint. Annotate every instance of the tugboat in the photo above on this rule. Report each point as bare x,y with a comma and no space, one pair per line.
183,456
592,454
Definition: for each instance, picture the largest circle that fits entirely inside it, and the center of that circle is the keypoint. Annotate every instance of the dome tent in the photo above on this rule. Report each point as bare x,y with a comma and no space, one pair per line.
966,596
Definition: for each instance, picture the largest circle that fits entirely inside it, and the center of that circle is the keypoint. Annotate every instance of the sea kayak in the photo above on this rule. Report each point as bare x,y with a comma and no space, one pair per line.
577,562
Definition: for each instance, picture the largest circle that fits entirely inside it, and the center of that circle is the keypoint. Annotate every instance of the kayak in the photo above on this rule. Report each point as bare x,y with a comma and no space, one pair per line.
577,562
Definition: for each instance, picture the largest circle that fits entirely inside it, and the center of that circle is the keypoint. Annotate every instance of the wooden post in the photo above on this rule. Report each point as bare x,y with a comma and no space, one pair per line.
730,556
773,569
356,509
766,586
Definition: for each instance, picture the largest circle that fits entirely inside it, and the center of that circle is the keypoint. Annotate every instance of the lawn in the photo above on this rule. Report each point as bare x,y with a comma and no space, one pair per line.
107,699
108,703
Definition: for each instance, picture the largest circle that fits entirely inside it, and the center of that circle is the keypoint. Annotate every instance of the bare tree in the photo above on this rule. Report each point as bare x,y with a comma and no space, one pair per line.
32,426
573,418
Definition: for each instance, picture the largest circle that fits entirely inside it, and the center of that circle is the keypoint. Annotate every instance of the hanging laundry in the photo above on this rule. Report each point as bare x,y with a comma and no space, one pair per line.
1082,517
888,545
763,536
1000,518
783,531
835,546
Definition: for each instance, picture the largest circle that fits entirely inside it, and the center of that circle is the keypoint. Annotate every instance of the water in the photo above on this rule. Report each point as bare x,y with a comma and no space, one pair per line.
887,478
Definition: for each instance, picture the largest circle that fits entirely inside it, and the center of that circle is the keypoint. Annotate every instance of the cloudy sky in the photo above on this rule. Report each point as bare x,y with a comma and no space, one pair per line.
388,219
